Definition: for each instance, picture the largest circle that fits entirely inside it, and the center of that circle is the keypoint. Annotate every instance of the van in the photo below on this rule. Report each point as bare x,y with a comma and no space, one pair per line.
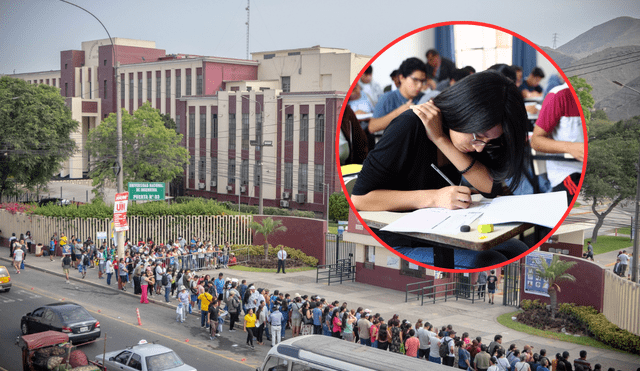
324,353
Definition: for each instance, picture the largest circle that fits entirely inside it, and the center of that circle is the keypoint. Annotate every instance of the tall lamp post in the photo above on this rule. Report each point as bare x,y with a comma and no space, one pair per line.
634,268
119,169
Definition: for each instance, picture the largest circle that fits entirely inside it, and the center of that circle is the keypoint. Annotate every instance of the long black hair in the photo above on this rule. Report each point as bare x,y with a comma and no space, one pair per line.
478,103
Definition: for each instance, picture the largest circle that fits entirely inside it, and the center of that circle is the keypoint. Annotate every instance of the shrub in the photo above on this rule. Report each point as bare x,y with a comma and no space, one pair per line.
603,330
14,207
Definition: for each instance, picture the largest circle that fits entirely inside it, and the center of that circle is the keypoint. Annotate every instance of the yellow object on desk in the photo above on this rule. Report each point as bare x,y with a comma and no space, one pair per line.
485,228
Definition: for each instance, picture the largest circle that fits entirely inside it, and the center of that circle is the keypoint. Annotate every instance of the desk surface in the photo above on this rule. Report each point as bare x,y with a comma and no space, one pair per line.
467,240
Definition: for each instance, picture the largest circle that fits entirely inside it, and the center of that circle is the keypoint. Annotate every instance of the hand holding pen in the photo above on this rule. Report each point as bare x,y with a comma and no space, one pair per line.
453,197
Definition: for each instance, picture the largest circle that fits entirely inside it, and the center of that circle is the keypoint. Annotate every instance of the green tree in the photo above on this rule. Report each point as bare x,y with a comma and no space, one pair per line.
35,134
555,273
169,123
151,152
611,176
583,90
338,207
267,228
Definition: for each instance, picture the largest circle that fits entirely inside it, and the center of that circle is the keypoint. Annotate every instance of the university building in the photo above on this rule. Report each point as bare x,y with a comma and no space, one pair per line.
226,109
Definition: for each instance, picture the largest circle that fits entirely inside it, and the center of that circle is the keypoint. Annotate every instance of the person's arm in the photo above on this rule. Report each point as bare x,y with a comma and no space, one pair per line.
453,197
478,175
381,123
541,141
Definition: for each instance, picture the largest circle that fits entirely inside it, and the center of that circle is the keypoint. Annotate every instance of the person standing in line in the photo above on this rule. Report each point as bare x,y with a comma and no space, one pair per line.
213,312
234,309
282,257
482,283
624,262
101,262
122,273
249,326
66,265
109,269
18,257
184,297
52,245
275,319
491,286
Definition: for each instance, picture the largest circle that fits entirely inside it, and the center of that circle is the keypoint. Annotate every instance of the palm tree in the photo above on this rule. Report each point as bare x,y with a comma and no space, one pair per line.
267,228
554,273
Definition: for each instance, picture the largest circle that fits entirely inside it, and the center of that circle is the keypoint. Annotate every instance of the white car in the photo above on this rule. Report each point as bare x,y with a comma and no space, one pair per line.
144,357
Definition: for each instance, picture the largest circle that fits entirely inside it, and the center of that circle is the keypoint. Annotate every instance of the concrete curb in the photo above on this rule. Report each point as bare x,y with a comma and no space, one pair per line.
96,284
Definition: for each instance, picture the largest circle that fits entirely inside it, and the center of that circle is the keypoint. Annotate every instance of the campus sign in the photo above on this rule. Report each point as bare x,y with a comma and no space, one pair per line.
533,284
146,191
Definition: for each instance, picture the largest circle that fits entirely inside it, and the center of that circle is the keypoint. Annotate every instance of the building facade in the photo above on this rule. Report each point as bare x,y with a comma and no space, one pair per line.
226,109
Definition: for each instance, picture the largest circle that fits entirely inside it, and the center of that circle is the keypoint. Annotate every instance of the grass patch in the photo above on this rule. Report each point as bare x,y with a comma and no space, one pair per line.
333,227
625,230
505,320
577,204
610,243
267,270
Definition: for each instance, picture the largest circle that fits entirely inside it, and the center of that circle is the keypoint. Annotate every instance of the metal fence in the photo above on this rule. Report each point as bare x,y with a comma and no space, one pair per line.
217,228
621,302
443,291
344,249
343,270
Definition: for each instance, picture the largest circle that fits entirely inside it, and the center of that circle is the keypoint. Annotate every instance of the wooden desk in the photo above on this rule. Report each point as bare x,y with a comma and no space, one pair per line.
444,244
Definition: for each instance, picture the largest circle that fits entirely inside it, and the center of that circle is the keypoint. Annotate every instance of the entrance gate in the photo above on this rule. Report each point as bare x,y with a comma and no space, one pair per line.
511,284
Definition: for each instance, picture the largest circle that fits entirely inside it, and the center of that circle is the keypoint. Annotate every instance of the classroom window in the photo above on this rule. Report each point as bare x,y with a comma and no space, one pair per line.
104,63
266,56
66,89
303,178
232,131
214,169
318,178
192,165
288,175
412,270
319,128
131,86
304,127
370,254
178,86
199,85
158,87
256,174
188,87
178,130
140,88
167,87
202,169
203,125
214,125
286,84
245,131
231,172
259,127
288,128
90,90
149,88
244,172
481,47
192,125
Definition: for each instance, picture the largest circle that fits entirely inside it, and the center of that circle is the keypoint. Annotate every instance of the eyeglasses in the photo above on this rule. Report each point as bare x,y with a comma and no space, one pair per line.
478,142
417,80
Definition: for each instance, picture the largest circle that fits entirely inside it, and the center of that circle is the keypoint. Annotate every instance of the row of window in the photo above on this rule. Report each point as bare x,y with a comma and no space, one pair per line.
168,81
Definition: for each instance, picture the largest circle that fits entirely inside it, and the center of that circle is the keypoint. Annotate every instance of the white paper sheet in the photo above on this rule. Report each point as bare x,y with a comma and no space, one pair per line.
441,221
544,209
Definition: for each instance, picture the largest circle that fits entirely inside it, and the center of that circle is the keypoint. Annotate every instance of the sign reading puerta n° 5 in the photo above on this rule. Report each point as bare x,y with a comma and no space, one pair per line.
120,212
146,191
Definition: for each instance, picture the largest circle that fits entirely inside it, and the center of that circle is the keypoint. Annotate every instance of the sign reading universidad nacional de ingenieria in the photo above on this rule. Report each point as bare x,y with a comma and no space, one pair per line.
120,212
533,284
146,191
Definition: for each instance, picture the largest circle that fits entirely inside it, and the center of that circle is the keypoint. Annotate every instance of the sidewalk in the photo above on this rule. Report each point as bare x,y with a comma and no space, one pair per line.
478,319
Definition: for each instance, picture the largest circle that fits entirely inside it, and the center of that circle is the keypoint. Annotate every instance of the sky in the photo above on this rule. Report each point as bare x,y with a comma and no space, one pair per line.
33,32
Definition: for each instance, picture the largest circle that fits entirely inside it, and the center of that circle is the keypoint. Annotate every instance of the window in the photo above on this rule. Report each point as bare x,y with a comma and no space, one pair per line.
199,85
232,131
123,357
245,131
192,125
286,84
188,87
412,270
259,127
231,175
65,66
369,254
158,87
293,53
303,178
304,127
202,169
130,86
167,87
214,125
318,178
214,169
135,362
256,174
104,63
244,172
203,125
192,165
288,175
481,47
266,56
178,124
320,128
140,88
66,89
90,91
149,88
288,127
178,86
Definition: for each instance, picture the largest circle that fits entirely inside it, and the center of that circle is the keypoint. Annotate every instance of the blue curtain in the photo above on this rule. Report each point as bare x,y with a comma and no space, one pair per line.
445,42
524,55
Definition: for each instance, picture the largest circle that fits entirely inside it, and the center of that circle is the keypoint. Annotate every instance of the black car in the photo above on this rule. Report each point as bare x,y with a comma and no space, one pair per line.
54,200
69,318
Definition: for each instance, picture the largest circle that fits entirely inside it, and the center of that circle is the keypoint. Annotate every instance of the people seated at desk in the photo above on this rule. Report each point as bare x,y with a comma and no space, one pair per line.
559,130
370,88
439,68
396,81
530,87
476,128
412,76
456,76
518,71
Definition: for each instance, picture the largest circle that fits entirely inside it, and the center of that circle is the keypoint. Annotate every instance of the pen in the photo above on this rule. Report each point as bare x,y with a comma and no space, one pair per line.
442,174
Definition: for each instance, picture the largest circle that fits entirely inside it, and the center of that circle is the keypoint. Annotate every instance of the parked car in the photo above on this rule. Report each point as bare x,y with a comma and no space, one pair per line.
69,318
5,279
144,356
55,200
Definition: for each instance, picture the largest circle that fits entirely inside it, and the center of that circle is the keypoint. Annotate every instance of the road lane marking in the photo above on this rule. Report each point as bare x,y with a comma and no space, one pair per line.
162,335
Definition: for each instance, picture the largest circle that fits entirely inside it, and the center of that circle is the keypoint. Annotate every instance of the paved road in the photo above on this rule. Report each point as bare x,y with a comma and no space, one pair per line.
117,315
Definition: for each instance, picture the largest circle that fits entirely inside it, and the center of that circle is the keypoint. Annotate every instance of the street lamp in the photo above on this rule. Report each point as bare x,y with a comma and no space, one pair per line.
636,240
120,172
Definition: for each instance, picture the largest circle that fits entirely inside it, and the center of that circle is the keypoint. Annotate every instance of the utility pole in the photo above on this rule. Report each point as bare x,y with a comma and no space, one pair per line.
555,39
248,12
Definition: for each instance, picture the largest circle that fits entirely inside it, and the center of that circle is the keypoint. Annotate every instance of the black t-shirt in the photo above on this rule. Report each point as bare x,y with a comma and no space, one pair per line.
402,160
213,312
491,282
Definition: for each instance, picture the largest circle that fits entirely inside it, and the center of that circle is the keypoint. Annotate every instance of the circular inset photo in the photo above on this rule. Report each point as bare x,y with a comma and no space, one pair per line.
462,147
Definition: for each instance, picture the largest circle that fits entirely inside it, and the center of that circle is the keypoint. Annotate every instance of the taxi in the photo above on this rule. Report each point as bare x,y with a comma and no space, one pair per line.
143,356
5,279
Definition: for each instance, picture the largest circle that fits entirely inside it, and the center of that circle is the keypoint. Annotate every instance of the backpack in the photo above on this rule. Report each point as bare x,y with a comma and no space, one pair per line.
165,279
247,295
85,261
444,348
